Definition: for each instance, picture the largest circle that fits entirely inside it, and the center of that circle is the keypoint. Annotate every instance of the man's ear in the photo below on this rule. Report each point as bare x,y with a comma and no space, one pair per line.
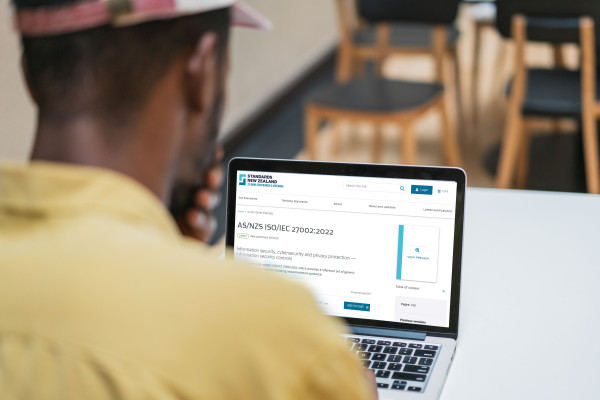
27,79
201,73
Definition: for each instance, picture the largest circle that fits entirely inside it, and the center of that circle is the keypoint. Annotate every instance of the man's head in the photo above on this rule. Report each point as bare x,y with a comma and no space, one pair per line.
138,89
110,72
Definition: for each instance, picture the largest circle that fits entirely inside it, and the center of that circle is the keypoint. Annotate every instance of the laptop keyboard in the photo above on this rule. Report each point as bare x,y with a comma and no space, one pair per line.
397,364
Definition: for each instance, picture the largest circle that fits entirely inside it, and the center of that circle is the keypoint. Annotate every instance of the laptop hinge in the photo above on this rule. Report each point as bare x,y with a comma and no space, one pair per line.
366,330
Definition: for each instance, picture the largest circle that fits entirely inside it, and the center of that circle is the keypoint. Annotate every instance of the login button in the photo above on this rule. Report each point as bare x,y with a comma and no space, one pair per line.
420,189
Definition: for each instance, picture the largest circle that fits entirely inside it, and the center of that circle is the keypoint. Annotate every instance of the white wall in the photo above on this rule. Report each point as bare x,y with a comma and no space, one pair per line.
263,64
16,110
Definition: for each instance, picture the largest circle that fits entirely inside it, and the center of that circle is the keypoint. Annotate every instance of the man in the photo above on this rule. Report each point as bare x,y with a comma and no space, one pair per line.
101,297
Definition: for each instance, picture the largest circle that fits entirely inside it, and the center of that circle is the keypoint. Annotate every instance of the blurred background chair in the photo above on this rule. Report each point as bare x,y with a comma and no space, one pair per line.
550,92
374,99
361,41
483,16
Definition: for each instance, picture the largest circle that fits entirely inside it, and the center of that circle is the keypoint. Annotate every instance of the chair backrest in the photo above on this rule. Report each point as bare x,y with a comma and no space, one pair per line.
423,11
545,16
347,17
381,13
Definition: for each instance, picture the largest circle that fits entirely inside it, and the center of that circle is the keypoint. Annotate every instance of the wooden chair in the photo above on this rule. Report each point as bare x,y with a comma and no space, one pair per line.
378,100
483,16
361,42
550,93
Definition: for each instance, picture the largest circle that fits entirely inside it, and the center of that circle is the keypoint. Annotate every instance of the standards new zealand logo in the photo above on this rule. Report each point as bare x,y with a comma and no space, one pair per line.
262,180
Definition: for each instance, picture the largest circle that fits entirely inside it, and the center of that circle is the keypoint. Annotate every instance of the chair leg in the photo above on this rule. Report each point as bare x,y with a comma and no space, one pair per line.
377,143
501,55
590,153
510,146
409,146
512,140
451,148
449,139
555,126
460,110
382,42
590,106
523,162
378,66
559,62
344,64
336,137
475,79
312,128
358,67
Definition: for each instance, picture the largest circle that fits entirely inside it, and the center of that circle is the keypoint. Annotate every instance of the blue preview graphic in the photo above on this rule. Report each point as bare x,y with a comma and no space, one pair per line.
417,256
242,180
400,246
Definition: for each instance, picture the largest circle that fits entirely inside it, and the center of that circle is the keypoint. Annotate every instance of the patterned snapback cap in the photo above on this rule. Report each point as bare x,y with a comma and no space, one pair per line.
54,17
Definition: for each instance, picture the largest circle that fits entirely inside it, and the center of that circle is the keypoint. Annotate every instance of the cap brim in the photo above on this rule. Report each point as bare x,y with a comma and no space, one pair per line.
244,15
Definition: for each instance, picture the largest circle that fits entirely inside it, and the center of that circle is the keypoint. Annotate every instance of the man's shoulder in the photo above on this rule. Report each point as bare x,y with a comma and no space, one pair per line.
225,311
191,278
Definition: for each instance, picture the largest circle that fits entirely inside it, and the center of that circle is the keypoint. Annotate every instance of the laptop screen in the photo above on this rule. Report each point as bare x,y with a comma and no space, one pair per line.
369,247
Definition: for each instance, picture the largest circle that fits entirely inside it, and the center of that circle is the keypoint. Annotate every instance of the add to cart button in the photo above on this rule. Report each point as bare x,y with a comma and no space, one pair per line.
420,189
349,305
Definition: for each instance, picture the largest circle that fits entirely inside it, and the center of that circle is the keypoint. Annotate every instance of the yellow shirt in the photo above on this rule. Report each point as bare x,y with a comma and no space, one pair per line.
102,298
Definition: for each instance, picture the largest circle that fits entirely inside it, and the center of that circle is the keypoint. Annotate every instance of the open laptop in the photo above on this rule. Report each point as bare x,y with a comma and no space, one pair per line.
379,245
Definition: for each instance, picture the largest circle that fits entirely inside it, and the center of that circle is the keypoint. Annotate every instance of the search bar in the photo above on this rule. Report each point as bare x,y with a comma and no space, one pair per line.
377,187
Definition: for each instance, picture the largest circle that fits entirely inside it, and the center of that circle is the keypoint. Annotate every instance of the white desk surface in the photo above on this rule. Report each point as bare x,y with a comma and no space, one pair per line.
530,299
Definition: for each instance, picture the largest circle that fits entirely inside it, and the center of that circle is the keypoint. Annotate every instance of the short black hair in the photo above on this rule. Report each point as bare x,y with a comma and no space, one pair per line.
109,70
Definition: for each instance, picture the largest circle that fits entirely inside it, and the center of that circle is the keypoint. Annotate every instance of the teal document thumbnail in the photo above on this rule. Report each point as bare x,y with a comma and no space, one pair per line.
418,249
400,246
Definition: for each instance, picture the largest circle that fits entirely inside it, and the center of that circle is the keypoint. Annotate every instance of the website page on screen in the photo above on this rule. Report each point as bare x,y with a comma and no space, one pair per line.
371,248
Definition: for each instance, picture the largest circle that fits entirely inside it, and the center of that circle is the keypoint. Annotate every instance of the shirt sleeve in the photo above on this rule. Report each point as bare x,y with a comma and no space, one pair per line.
335,374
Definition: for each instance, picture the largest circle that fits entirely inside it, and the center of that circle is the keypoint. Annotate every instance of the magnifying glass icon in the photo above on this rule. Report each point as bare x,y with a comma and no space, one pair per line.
402,188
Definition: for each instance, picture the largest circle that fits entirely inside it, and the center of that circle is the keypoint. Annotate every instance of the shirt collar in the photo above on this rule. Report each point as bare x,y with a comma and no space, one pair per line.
53,189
